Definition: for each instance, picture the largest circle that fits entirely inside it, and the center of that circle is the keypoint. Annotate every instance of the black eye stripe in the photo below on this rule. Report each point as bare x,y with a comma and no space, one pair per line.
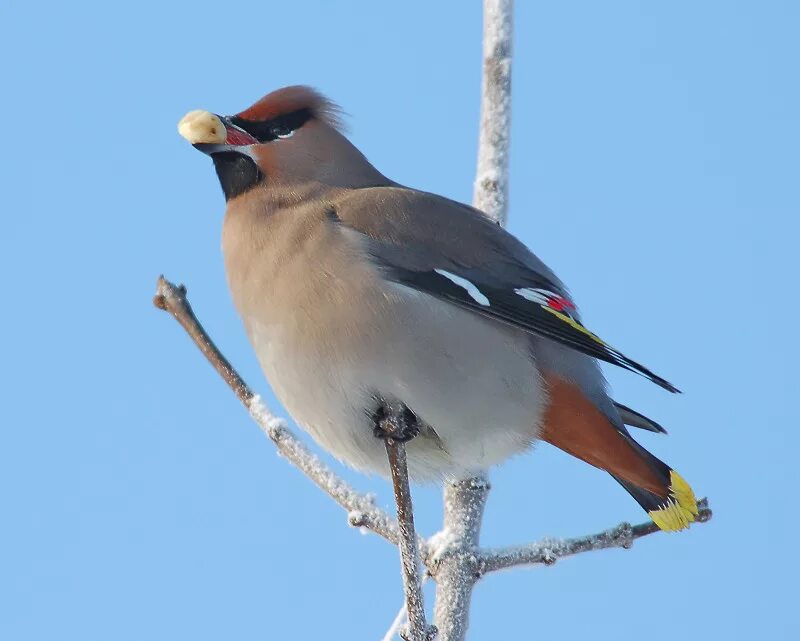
267,130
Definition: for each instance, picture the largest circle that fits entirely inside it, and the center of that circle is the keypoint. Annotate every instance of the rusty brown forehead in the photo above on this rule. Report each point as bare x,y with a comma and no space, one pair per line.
284,101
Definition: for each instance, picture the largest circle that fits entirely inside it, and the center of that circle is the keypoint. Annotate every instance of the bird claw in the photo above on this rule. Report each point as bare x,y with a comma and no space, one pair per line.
395,421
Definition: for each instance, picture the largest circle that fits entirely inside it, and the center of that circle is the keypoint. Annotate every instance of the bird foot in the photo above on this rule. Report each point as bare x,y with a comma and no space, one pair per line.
395,421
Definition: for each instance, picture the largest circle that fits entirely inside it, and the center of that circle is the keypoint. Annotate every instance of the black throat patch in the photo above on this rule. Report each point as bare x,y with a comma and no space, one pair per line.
237,173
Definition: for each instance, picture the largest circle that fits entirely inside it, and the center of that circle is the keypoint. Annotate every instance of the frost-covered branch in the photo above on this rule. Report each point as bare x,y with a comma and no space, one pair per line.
361,508
491,179
397,624
395,427
418,629
455,563
455,555
548,551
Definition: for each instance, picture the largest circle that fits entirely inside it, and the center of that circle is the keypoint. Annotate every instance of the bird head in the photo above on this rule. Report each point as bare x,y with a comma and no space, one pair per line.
290,136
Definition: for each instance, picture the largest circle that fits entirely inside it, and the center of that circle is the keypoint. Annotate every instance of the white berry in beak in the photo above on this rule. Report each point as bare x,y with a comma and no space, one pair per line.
201,126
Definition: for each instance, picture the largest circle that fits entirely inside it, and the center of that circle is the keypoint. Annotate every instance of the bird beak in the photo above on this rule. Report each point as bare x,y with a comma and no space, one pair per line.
211,133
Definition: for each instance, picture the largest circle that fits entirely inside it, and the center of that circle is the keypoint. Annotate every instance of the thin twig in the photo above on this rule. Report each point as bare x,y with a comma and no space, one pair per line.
397,624
400,618
418,629
361,508
172,298
396,426
548,551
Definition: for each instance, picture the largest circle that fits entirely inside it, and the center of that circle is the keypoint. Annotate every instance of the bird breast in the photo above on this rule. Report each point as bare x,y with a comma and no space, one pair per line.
334,338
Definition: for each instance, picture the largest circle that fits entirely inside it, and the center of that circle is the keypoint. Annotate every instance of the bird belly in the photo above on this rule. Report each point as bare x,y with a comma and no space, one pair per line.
472,383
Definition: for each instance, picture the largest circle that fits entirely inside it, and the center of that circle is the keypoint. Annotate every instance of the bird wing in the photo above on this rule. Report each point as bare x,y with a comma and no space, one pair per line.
456,254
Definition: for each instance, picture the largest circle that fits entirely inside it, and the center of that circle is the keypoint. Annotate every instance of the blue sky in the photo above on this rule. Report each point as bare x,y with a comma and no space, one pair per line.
654,167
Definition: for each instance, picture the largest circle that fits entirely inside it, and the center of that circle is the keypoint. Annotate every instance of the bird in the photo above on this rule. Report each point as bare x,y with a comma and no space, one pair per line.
360,294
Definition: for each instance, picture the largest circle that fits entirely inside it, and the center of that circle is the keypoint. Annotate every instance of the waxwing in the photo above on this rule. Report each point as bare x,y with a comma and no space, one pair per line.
357,292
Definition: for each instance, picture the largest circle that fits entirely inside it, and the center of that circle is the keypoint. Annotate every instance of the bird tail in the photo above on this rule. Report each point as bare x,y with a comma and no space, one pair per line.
674,507
576,425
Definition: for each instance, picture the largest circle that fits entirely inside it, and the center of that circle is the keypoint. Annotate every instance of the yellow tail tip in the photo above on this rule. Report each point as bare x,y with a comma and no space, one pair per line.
680,508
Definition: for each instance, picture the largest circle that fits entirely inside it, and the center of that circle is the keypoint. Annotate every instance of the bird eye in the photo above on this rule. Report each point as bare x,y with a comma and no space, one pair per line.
282,126
282,131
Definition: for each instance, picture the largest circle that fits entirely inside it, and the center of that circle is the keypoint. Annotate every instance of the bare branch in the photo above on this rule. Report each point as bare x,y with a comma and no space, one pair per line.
361,508
396,425
172,298
418,629
455,555
491,180
397,624
400,618
548,551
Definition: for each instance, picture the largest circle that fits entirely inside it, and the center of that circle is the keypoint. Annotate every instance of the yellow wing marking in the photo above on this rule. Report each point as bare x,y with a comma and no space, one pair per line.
575,324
